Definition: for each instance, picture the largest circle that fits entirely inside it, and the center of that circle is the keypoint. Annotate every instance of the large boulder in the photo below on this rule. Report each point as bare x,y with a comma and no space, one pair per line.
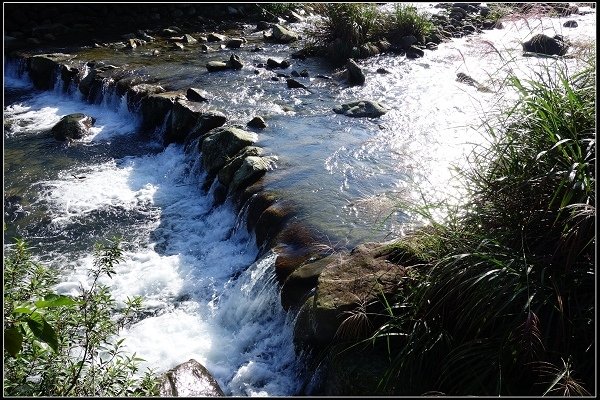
547,45
361,109
208,120
138,92
190,379
301,281
43,67
348,284
72,126
221,144
283,35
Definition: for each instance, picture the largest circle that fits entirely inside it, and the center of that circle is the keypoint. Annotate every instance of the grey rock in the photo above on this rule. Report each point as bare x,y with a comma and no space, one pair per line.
257,122
214,66
215,37
235,43
356,75
361,109
283,35
221,144
294,84
199,95
190,379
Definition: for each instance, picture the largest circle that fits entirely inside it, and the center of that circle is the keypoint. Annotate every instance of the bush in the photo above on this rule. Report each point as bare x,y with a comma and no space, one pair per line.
57,345
504,303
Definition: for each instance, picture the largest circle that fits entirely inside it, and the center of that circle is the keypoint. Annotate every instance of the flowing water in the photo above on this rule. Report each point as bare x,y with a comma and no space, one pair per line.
206,295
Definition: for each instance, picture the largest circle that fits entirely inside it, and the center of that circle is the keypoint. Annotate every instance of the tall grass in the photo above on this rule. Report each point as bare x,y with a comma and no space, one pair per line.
345,26
505,302
407,21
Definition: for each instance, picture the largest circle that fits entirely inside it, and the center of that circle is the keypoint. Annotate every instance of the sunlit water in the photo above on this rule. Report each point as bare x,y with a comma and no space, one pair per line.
205,294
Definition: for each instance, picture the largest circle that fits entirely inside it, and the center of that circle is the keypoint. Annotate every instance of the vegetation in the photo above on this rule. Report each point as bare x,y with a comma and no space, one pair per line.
347,26
57,345
501,298
406,20
274,11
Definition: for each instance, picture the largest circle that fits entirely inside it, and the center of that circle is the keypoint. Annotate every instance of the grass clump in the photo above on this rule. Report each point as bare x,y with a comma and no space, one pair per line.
407,21
344,27
505,301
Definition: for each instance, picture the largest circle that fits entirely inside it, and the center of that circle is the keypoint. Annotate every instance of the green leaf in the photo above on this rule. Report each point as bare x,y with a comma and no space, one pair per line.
22,310
55,300
42,330
13,341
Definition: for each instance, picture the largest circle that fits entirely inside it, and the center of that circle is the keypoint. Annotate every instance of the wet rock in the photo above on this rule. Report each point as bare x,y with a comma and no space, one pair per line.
356,76
283,35
43,67
263,25
223,143
190,379
156,107
272,63
344,283
72,126
295,74
294,84
215,37
301,281
235,62
407,41
382,70
204,48
366,50
464,78
189,39
178,46
252,169
304,73
271,222
136,93
215,66
199,95
206,121
226,173
570,24
414,52
257,122
361,109
547,45
235,43
184,119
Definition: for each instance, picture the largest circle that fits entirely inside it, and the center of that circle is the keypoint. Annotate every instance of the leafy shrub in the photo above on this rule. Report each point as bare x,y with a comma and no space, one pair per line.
57,345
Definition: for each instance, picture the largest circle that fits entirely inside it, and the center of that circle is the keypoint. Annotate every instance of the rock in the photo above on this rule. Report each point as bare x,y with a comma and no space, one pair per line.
223,143
204,48
431,46
190,379
178,46
366,50
199,95
257,122
407,41
136,93
361,109
184,118
301,281
263,25
355,74
42,68
570,24
214,66
252,169
235,43
169,32
143,35
206,121
543,44
304,73
226,173
189,39
295,74
283,35
235,62
464,78
414,52
293,17
155,108
215,37
294,84
271,63
381,70
72,126
346,282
